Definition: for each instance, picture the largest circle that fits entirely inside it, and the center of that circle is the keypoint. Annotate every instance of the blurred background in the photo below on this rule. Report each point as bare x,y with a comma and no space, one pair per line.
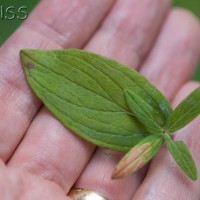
8,26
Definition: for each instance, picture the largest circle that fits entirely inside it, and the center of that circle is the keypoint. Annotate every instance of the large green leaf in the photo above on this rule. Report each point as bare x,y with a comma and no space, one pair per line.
85,91
182,156
185,112
143,111
138,156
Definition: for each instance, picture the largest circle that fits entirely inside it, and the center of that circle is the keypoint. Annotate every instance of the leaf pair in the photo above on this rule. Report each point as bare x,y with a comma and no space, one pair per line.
140,154
184,113
103,101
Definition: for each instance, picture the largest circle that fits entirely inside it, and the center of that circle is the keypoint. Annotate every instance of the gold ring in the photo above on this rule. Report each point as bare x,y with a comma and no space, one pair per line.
81,194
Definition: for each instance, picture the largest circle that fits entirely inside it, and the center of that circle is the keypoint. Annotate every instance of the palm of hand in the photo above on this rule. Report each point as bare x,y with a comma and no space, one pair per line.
17,184
129,33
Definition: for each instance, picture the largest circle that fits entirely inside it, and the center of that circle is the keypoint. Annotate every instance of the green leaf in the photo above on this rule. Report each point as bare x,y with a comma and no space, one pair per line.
85,91
182,156
143,111
185,112
138,156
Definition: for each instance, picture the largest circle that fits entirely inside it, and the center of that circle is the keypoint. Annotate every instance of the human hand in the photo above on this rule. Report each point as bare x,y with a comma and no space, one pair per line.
162,44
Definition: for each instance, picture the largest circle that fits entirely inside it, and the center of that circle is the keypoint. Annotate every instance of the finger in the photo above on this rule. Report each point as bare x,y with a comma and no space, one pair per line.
67,162
51,151
165,180
129,31
97,174
175,54
53,24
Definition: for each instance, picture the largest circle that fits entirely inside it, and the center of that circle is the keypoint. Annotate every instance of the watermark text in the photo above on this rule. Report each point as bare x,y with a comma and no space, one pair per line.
12,12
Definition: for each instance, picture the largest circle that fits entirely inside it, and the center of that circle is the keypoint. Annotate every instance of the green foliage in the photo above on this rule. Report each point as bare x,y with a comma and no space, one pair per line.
85,91
182,156
110,105
185,112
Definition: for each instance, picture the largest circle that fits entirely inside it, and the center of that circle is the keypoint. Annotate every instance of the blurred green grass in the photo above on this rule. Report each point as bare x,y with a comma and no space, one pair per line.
8,26
194,6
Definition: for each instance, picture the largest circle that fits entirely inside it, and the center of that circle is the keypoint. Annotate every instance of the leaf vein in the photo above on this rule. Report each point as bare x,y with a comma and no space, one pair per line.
130,134
59,74
140,86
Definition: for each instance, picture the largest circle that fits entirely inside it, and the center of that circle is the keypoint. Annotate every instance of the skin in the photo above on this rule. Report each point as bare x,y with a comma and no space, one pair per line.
43,160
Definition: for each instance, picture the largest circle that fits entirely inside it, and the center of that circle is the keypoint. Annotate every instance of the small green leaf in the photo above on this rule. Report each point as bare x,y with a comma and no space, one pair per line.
138,156
185,112
143,111
182,156
85,91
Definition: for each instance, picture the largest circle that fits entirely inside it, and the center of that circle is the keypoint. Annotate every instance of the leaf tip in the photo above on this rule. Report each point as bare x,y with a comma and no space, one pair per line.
127,91
127,94
25,52
26,62
115,175
119,173
194,176
21,52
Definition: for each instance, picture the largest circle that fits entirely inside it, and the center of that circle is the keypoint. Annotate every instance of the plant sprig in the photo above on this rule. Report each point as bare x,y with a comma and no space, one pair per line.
185,112
110,105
